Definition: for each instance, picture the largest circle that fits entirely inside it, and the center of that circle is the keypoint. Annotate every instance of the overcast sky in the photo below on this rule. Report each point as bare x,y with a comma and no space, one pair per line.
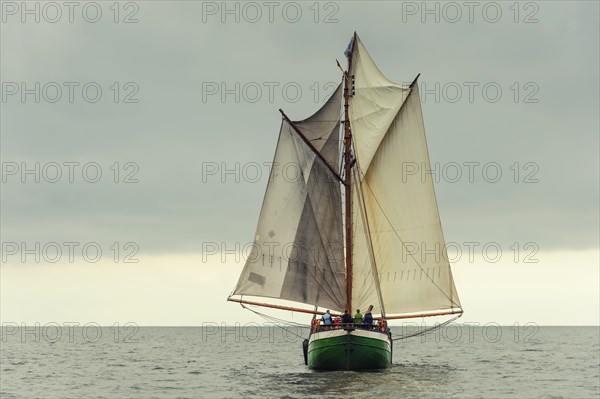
189,93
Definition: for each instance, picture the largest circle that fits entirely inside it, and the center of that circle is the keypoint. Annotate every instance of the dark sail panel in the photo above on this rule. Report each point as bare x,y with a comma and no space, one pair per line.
298,250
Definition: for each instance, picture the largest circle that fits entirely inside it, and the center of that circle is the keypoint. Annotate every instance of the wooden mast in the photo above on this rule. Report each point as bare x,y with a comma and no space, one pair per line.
348,79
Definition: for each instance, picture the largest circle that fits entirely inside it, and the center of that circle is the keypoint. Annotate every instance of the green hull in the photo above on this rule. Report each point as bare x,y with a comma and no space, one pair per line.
349,350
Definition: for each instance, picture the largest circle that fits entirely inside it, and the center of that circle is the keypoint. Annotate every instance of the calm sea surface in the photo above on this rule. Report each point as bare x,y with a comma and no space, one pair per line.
251,362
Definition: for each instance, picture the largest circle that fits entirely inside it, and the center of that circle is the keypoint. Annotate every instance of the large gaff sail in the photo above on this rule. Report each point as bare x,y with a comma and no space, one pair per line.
398,247
298,248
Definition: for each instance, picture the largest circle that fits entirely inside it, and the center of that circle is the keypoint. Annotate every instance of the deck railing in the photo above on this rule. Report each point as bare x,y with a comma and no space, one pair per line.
346,326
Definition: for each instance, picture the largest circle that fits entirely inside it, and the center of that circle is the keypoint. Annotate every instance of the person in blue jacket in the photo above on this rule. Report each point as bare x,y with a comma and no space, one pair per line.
327,320
368,317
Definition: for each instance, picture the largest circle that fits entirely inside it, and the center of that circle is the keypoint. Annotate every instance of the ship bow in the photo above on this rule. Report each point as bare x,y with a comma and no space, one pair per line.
349,349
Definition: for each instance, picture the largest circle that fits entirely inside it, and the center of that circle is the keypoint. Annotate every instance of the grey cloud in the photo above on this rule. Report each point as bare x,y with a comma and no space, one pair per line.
171,133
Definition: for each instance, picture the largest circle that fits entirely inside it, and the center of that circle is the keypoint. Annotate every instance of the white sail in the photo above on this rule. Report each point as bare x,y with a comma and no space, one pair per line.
374,105
396,220
323,129
298,248
398,259
365,287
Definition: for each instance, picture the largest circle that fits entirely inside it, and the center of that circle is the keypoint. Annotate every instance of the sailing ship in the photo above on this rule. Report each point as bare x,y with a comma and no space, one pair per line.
337,220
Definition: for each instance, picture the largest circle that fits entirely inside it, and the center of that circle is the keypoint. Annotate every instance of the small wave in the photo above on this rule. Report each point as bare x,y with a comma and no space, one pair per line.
21,363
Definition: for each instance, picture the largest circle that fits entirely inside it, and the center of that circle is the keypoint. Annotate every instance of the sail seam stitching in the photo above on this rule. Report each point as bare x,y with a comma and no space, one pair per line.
404,246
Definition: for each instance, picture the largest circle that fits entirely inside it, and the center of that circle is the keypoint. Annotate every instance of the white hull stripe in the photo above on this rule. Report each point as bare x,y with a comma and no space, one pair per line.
340,333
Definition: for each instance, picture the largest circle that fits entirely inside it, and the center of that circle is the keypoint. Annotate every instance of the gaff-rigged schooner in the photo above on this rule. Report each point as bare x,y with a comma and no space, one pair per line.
345,251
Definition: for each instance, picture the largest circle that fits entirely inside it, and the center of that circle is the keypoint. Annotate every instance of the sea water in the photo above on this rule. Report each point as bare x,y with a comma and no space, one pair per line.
267,362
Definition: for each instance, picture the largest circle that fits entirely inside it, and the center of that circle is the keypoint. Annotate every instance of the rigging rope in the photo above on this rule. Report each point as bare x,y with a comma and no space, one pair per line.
404,245
398,337
426,330
274,320
365,219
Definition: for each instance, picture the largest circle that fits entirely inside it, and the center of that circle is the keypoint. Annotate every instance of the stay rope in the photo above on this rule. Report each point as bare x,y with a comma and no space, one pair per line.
426,330
279,322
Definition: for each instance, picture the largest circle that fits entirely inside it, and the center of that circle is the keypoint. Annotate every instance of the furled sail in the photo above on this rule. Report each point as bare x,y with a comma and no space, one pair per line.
398,243
298,248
